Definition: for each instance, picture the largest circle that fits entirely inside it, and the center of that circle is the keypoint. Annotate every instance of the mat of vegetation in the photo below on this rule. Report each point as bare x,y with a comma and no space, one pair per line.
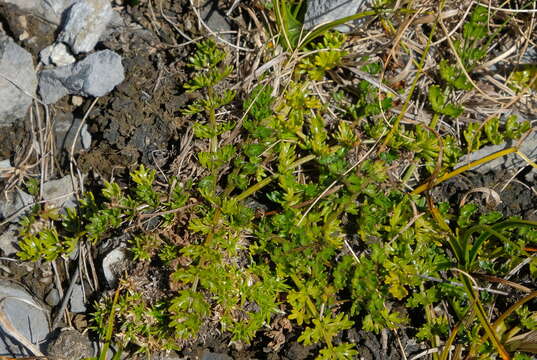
295,214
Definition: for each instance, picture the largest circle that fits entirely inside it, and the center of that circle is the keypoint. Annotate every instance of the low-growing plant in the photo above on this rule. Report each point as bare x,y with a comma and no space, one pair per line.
285,220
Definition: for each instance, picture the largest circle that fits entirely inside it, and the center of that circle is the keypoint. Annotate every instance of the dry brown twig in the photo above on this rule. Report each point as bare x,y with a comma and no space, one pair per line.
216,34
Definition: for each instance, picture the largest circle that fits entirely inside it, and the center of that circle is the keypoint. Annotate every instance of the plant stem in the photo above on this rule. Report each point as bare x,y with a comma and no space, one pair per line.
213,146
462,169
258,186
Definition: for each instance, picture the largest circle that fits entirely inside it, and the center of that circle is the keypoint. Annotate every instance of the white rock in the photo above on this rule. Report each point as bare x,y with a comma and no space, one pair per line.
325,11
86,20
77,100
96,75
110,263
18,81
57,54
25,314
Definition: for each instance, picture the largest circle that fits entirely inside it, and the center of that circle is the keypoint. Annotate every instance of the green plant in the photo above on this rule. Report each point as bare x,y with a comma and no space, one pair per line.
501,240
292,216
327,54
289,21
470,49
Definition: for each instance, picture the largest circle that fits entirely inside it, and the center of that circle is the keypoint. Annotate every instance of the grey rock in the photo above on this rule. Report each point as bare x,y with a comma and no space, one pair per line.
216,20
111,265
116,21
59,193
13,205
53,297
5,165
18,81
207,355
530,56
102,71
507,162
8,240
70,344
65,129
53,83
44,55
325,11
96,75
76,301
57,54
86,20
49,10
166,356
25,314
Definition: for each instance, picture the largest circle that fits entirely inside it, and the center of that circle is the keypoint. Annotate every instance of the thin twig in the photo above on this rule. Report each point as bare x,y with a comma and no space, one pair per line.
78,186
215,34
489,6
454,283
66,298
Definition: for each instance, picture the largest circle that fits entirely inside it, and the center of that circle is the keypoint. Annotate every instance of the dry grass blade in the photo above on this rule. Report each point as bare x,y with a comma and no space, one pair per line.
503,282
526,342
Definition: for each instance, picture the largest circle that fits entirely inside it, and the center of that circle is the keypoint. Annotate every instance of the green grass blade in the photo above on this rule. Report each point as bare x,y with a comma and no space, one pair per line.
109,328
320,30
482,316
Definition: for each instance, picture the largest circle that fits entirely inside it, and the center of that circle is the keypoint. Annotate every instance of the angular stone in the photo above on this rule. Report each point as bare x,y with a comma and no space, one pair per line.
52,85
5,165
18,81
76,301
8,241
57,54
59,193
13,205
325,11
207,355
86,20
96,75
65,130
70,344
101,72
216,20
25,314
50,10
506,162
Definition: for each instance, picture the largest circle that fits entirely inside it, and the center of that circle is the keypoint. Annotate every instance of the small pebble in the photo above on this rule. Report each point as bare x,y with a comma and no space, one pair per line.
77,100
53,297
76,301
